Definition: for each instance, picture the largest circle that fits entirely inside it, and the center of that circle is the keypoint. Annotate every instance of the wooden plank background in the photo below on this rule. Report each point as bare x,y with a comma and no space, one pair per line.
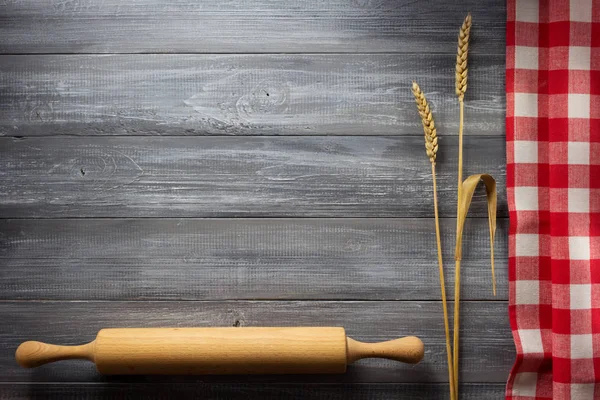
257,94
231,26
245,163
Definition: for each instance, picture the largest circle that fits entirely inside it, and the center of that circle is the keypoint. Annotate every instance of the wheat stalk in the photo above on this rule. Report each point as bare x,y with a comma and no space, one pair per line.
431,147
461,88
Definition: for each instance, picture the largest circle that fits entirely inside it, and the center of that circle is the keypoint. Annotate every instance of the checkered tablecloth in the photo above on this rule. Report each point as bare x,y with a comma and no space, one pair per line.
553,182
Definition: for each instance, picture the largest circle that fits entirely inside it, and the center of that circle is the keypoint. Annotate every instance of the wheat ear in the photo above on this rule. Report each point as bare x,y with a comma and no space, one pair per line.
461,57
461,88
431,147
431,140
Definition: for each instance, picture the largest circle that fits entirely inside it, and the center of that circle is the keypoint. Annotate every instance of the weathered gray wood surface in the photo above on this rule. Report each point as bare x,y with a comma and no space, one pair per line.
233,391
303,197
487,350
341,94
238,176
209,259
231,26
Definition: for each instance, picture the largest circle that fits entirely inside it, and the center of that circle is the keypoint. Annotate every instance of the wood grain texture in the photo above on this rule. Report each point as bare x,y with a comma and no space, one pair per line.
488,349
365,94
236,259
247,391
237,176
112,26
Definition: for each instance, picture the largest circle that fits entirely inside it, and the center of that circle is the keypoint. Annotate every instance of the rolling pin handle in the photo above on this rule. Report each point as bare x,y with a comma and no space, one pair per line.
33,354
407,349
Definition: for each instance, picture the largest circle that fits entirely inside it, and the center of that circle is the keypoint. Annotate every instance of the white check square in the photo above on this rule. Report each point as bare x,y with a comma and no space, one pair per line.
581,10
527,292
581,346
526,198
580,57
580,296
527,245
526,57
579,200
579,105
525,384
527,11
526,105
582,391
578,153
526,151
579,248
531,341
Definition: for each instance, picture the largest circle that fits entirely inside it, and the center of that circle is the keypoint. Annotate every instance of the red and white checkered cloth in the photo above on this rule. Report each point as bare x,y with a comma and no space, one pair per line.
553,182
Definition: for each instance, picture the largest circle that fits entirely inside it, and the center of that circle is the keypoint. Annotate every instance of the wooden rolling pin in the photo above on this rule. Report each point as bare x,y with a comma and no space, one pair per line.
221,351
